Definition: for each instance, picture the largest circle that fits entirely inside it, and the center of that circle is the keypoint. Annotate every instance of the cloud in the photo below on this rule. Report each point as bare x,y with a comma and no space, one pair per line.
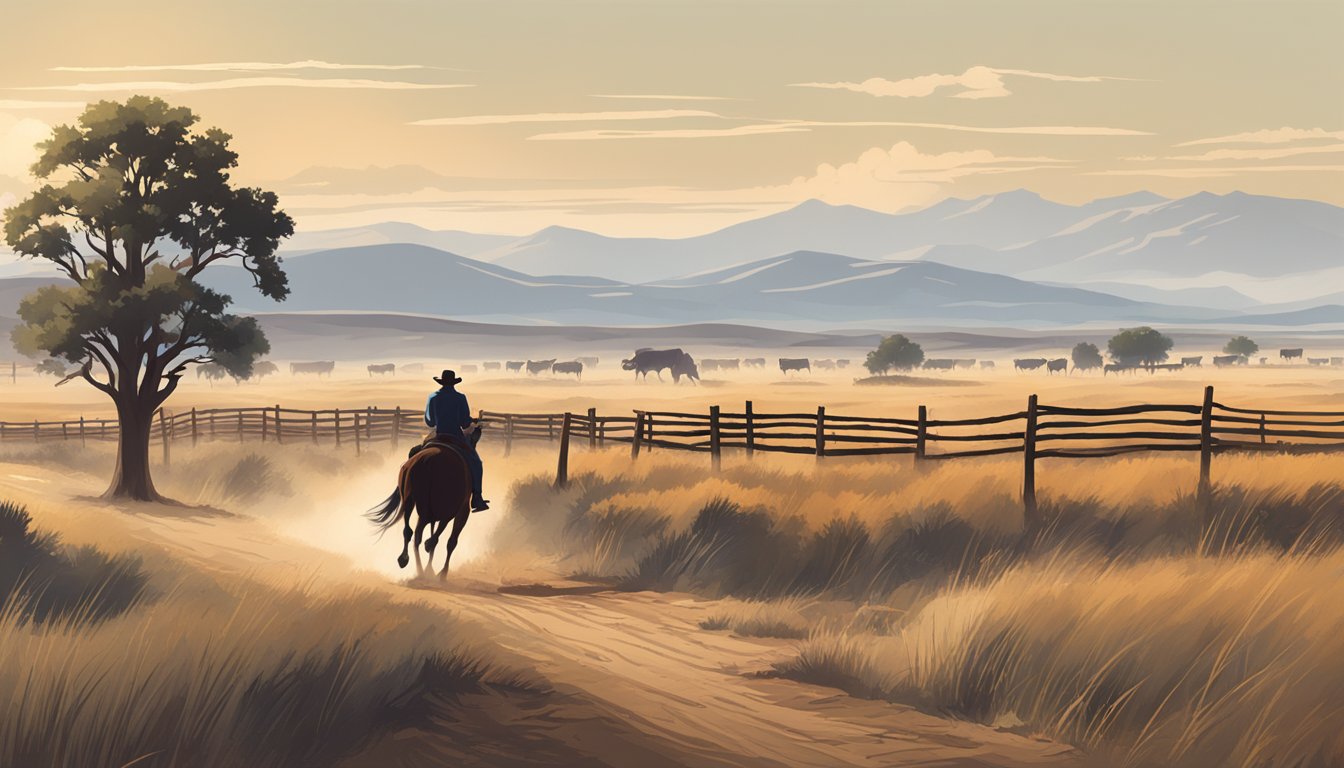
239,66
1269,136
568,117
797,126
18,143
1207,172
975,83
1262,154
659,97
244,82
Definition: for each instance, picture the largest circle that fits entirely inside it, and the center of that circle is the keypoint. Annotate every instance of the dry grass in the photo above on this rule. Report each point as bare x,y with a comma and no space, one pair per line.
1135,623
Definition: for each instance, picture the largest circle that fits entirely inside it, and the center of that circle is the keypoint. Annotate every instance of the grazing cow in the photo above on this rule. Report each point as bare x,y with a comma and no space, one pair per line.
658,360
588,362
939,364
515,366
319,367
720,364
1193,362
965,362
985,364
1028,363
754,362
787,364
382,368
1222,361
467,368
539,366
1337,361
263,369
1171,366
1058,364
842,363
825,365
1289,354
491,366
1317,360
1116,368
413,368
574,367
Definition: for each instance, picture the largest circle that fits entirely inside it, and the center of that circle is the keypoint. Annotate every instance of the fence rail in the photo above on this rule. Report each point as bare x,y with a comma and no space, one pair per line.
1041,431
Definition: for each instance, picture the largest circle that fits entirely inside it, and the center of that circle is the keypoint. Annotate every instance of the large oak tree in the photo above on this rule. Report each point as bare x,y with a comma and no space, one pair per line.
135,205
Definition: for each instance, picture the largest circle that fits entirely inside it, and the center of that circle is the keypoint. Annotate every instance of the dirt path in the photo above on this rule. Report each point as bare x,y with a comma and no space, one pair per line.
649,687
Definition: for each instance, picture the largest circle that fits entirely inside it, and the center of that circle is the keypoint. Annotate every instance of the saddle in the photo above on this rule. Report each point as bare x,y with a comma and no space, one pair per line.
454,447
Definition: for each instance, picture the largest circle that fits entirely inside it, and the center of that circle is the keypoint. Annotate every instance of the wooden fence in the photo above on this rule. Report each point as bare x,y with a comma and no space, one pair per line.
1039,431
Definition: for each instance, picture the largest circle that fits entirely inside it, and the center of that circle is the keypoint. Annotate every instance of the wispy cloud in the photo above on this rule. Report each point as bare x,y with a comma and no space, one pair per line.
1269,136
659,97
797,126
568,117
1213,172
975,83
245,82
1262,153
17,104
240,66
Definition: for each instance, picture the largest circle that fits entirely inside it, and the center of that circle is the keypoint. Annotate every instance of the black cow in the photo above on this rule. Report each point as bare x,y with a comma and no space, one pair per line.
381,368
320,367
1193,362
539,366
1028,363
491,366
515,366
1289,354
939,364
1318,360
1058,364
842,363
574,367
787,364
658,360
1222,361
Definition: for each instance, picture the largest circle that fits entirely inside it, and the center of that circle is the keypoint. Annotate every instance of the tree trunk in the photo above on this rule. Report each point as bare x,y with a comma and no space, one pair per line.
130,479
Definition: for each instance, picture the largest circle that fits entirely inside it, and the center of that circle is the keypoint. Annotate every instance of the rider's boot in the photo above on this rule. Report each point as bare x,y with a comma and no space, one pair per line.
478,504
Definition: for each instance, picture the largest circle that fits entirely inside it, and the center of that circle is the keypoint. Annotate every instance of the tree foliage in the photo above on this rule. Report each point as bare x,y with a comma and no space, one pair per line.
1086,356
1139,346
135,206
894,352
1241,345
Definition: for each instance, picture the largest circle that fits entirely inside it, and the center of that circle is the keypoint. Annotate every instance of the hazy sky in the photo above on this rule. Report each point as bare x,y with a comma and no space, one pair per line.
666,118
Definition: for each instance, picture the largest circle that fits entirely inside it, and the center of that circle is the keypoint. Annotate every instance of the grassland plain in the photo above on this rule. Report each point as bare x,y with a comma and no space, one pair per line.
1135,623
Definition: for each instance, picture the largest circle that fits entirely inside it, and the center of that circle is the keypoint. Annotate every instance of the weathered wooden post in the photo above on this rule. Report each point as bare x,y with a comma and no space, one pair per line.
648,432
1029,464
65,433
240,425
550,426
194,433
163,435
312,425
638,435
212,423
750,419
715,445
358,447
562,467
1205,444
37,431
368,423
263,425
278,424
82,442
336,416
921,433
1262,429
821,431
592,429
508,434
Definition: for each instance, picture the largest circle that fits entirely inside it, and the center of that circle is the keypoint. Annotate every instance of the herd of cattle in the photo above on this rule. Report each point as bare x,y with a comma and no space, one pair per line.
681,365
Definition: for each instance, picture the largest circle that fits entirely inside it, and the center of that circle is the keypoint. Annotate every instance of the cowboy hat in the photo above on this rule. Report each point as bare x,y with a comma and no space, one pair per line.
447,378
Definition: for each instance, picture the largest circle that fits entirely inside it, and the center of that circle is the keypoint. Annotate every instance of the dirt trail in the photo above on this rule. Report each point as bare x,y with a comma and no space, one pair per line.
652,688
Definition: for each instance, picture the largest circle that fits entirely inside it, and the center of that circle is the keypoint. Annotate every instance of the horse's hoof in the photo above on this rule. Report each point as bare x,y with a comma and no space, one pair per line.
430,545
403,561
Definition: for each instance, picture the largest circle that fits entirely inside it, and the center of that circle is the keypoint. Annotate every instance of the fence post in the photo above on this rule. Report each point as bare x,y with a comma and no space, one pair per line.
1029,464
336,415
65,432
550,426
715,444
212,423
751,430
358,448
562,468
263,424
508,434
1205,443
37,434
592,428
194,434
921,433
648,437
821,431
1262,429
312,425
163,435
278,424
82,442
240,425
368,423
638,436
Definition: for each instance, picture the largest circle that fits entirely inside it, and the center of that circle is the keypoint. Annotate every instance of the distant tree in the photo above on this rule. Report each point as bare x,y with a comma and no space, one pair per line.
1139,346
1086,356
1241,345
136,206
896,352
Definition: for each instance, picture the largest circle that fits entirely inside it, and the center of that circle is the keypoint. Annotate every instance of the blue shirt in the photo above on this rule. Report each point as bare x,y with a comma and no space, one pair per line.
447,409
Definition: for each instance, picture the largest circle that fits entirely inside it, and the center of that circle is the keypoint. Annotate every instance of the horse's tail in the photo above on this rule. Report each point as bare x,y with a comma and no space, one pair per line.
384,516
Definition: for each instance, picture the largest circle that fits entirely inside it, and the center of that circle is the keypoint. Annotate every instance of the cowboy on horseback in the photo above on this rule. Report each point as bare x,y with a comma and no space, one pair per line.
448,414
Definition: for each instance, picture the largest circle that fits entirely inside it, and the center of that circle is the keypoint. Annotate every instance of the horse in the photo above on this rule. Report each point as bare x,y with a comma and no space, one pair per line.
436,482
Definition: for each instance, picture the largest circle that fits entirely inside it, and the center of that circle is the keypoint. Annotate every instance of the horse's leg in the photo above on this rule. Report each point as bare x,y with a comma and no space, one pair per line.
406,505
419,531
459,523
435,529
